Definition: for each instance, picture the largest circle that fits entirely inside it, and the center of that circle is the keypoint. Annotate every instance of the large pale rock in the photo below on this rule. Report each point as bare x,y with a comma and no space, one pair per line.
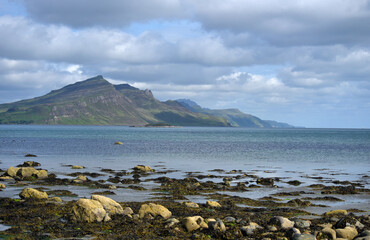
329,232
41,174
143,168
12,171
110,206
154,210
89,210
194,223
282,222
26,172
213,204
2,185
347,232
30,193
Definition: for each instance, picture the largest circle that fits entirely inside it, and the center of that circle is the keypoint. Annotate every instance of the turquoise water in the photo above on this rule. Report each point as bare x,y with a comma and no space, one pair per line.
290,154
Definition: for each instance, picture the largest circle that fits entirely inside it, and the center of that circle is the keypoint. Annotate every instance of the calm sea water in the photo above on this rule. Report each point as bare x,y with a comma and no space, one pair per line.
342,154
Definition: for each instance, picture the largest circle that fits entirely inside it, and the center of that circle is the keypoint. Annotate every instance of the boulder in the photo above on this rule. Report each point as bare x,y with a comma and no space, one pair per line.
217,225
250,229
41,174
30,193
12,171
282,222
335,213
329,233
194,223
347,232
213,204
26,172
143,168
109,205
88,210
191,204
154,210
77,167
301,224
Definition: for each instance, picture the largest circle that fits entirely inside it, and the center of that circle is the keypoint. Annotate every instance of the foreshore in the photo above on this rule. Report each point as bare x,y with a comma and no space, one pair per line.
211,205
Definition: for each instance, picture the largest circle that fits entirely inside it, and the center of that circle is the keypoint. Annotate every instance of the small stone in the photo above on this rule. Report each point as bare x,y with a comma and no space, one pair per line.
251,229
172,221
112,187
191,204
154,210
77,167
302,224
194,223
272,228
336,213
127,211
81,178
2,185
118,143
347,232
213,204
282,222
265,181
304,237
229,219
30,193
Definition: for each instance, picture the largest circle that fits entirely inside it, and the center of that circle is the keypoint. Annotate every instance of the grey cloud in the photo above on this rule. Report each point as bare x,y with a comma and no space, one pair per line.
115,13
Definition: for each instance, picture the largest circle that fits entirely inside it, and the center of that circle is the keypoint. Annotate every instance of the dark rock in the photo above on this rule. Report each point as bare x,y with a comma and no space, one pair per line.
30,155
265,181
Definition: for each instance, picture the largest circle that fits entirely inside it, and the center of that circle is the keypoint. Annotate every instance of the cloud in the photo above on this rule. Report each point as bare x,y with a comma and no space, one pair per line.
114,13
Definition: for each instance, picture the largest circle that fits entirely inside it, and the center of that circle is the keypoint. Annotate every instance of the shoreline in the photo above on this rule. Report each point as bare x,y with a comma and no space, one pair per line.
227,188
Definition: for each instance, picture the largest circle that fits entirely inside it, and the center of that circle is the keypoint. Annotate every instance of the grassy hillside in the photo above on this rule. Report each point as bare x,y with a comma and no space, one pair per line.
95,101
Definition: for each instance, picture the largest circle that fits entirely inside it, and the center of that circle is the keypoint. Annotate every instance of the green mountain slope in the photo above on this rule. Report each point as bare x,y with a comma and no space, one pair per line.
95,101
234,116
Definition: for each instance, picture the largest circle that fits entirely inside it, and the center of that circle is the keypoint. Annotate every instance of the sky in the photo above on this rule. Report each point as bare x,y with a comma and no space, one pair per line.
304,62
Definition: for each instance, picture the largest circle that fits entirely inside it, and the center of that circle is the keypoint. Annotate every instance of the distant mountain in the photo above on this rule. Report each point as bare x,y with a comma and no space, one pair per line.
95,101
234,116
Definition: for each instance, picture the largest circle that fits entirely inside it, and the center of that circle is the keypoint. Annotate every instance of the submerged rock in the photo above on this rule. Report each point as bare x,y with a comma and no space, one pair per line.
265,181
336,213
30,155
30,193
154,210
143,168
118,143
77,167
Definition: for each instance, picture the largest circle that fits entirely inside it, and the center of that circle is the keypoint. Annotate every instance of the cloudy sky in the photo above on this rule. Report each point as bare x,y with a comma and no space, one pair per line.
305,62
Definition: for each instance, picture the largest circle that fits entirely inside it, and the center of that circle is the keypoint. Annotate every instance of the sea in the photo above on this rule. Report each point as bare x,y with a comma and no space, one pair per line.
309,155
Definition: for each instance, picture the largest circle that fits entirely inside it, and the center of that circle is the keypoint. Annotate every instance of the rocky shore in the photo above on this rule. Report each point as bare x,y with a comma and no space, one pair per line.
42,212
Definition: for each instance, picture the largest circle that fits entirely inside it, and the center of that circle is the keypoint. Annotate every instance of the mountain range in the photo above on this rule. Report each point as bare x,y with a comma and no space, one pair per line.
95,101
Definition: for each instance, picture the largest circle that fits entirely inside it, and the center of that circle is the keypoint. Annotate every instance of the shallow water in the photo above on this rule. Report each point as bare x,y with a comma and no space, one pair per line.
288,154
